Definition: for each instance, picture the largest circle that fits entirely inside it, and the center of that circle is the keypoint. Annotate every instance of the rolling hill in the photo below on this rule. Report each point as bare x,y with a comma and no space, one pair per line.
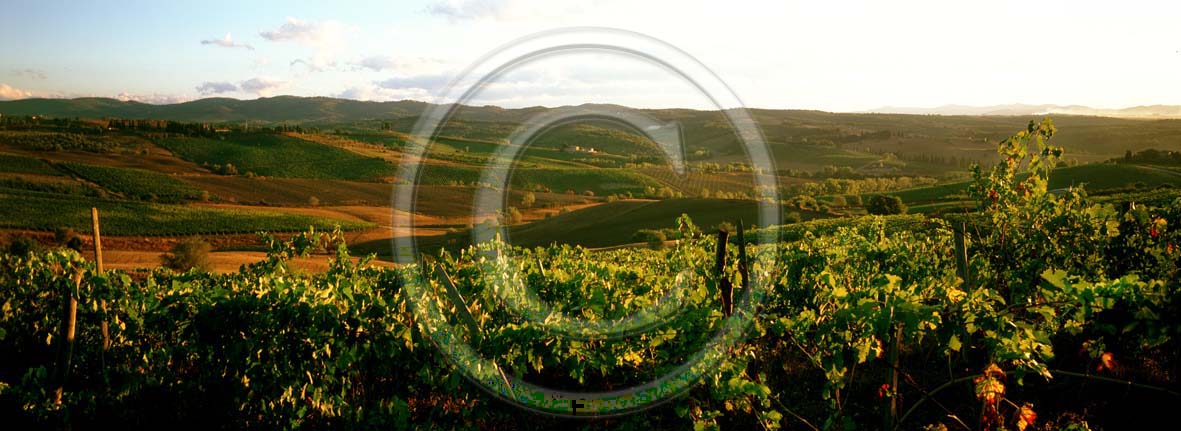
615,223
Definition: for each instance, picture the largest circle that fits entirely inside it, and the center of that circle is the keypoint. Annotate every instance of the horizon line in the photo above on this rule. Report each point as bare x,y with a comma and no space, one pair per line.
885,109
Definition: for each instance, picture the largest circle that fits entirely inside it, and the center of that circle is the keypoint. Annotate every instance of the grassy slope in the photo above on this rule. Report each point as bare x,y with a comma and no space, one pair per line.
135,183
46,211
11,163
279,156
615,223
558,180
1094,177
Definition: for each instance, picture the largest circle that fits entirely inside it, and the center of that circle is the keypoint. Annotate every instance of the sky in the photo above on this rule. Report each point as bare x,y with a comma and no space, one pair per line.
829,55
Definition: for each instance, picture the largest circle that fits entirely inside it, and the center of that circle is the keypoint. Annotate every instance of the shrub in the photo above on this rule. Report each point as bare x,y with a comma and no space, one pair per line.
66,237
726,226
885,205
655,238
792,217
513,215
803,202
21,245
188,254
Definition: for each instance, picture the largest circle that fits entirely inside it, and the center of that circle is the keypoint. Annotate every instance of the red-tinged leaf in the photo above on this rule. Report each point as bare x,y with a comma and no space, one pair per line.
1026,416
1107,362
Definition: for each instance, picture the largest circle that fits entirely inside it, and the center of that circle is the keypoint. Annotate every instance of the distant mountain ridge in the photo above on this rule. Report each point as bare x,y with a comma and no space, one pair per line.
332,110
1148,111
218,109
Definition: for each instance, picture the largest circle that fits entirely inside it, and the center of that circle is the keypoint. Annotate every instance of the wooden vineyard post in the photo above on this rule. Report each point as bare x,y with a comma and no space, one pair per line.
961,255
98,259
892,414
66,339
743,265
464,313
727,289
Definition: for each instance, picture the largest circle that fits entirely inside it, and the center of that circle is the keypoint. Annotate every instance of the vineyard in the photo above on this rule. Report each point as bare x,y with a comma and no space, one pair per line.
25,165
273,155
1038,311
28,209
136,183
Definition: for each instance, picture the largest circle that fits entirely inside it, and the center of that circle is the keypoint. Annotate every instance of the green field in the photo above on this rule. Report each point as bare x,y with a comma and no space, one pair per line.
279,156
532,155
10,163
1093,177
615,223
601,182
384,139
136,183
41,211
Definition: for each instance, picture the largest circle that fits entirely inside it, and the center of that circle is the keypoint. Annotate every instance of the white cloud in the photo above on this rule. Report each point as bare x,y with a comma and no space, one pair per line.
226,42
546,11
307,32
8,92
456,10
209,87
153,98
327,38
379,63
31,73
431,82
262,86
404,65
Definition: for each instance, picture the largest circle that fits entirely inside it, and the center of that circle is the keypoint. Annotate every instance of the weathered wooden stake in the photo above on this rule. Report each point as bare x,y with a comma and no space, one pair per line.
892,416
98,259
743,265
464,313
66,339
961,256
724,285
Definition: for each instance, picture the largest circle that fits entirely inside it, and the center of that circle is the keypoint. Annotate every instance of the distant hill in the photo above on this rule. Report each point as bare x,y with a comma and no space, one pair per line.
1151,111
799,138
220,109
332,110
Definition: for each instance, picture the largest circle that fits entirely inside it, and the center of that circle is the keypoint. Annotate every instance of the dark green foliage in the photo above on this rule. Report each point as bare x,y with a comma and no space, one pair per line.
54,141
653,237
885,205
21,245
1153,156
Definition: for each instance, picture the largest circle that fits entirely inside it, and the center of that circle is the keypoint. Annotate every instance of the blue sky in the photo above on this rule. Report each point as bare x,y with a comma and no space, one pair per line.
832,55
